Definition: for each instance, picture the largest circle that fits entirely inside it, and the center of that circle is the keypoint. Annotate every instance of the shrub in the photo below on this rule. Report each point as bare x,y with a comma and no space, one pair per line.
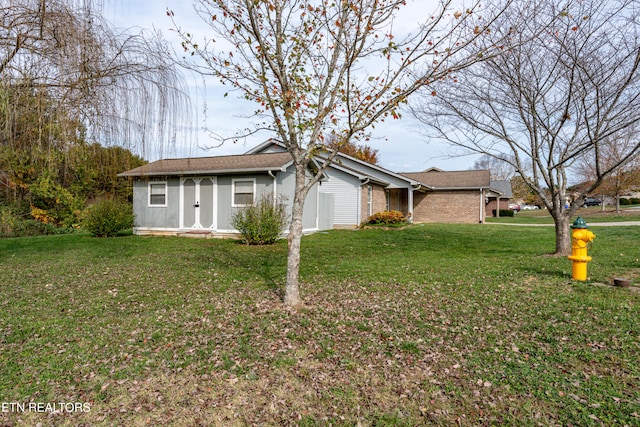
386,218
32,227
13,225
108,217
504,212
261,223
634,201
41,215
53,204
7,221
624,201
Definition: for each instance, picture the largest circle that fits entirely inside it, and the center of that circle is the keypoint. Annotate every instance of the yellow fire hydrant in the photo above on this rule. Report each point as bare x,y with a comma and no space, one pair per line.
580,236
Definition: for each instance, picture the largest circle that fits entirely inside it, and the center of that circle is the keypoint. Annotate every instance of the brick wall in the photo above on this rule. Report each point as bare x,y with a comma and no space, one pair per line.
398,201
447,206
504,204
379,199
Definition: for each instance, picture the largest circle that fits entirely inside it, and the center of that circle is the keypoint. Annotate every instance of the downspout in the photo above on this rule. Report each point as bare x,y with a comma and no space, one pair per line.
410,204
318,207
275,190
360,207
481,205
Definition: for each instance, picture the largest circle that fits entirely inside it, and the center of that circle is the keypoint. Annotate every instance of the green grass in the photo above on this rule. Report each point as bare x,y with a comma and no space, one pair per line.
432,324
593,214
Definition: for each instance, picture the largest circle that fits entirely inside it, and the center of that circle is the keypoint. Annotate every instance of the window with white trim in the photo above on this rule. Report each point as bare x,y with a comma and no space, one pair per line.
243,192
158,194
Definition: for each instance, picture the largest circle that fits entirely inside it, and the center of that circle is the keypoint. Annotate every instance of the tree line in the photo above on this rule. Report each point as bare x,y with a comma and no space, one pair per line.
77,98
44,174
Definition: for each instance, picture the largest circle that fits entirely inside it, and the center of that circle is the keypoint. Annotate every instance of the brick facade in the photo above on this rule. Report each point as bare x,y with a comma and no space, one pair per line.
491,206
378,199
398,201
447,206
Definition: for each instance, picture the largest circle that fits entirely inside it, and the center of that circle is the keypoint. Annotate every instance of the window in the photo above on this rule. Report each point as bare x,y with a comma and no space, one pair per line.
157,194
243,191
370,200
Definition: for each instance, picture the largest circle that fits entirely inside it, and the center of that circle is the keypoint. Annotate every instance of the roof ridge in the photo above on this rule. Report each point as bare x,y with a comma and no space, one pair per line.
217,157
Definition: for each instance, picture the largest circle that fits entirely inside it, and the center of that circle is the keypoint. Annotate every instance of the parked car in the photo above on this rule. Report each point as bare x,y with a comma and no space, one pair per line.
514,207
529,207
590,201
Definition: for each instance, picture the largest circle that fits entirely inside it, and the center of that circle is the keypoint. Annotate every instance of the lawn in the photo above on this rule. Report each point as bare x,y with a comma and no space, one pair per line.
430,325
592,215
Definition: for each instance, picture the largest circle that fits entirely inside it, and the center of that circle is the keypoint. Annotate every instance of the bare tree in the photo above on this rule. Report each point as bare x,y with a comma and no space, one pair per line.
624,177
111,86
568,83
500,169
316,68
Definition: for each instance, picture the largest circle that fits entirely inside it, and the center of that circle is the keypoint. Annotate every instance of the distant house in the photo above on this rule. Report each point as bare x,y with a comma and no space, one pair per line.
200,195
451,196
498,197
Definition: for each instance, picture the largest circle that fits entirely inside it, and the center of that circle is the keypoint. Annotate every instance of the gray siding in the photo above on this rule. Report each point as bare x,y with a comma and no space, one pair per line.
264,185
286,186
325,214
167,218
156,217
310,214
372,171
273,148
346,196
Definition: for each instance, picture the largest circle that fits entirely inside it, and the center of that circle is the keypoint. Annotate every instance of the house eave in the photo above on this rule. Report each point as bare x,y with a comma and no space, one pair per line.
371,180
420,187
336,164
208,172
458,188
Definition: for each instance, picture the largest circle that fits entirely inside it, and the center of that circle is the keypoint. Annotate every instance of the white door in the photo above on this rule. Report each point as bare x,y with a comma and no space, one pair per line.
198,210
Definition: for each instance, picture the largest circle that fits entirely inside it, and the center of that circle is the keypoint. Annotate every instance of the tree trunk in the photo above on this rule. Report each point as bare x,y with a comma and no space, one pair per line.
292,289
563,233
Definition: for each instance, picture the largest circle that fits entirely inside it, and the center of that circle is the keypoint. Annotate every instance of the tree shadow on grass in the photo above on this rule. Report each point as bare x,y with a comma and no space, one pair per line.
270,270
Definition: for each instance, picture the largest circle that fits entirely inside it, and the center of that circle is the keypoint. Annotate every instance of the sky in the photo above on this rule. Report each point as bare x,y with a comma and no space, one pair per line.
401,145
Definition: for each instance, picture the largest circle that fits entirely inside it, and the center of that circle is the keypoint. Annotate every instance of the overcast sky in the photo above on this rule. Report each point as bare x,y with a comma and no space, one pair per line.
402,148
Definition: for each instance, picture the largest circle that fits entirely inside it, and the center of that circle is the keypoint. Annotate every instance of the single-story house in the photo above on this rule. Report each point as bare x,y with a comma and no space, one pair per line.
457,196
498,197
200,195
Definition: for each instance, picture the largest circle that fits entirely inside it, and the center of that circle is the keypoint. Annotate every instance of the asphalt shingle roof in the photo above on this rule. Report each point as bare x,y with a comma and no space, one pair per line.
220,164
440,180
503,187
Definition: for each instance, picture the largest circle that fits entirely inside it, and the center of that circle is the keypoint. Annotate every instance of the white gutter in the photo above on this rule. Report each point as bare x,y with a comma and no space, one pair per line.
268,169
410,204
275,190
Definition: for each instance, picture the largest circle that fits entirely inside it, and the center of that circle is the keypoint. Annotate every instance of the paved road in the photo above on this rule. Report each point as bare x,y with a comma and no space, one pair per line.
614,224
592,224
